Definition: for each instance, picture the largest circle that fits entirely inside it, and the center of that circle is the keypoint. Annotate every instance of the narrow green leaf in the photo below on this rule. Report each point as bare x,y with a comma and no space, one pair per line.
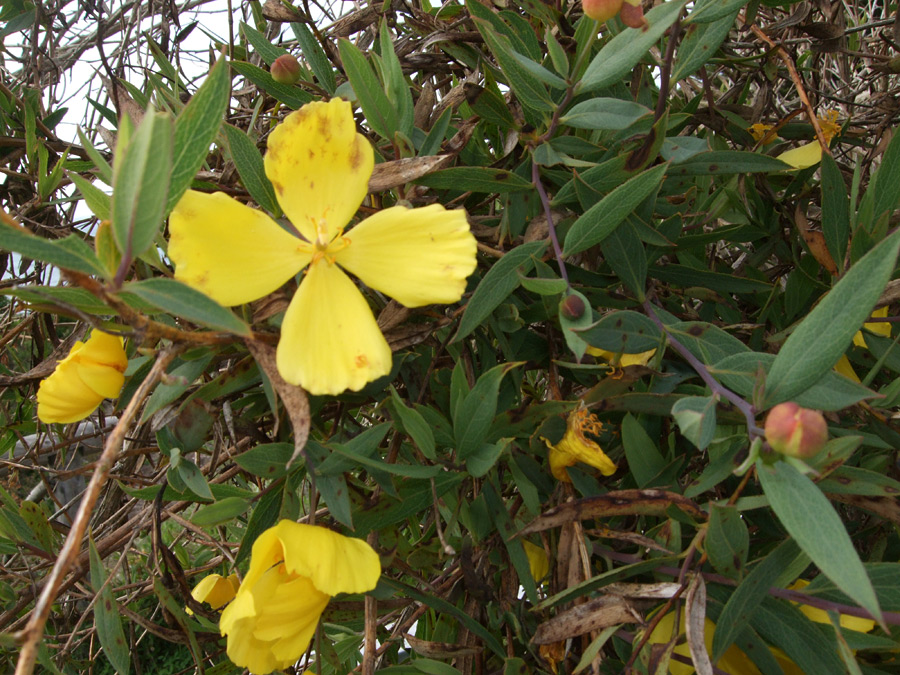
626,49
707,342
604,113
884,182
624,252
414,425
475,415
476,179
696,418
196,129
682,275
70,253
267,460
727,540
397,87
489,105
375,104
826,332
291,96
719,162
624,332
141,185
220,512
810,519
249,164
107,619
501,280
835,210
700,44
606,215
706,11
261,44
644,458
104,170
315,56
95,198
539,72
187,303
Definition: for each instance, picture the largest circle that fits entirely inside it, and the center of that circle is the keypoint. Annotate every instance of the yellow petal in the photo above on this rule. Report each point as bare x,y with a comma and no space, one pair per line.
559,462
63,397
882,328
417,256
105,349
215,590
620,359
844,368
104,380
229,251
244,648
538,563
804,156
821,616
320,167
587,451
329,339
334,563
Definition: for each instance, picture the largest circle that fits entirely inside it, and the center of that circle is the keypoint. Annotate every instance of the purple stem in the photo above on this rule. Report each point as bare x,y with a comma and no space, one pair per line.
545,200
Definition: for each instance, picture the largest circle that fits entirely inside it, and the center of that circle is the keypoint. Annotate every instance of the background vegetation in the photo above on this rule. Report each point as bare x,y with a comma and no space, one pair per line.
622,165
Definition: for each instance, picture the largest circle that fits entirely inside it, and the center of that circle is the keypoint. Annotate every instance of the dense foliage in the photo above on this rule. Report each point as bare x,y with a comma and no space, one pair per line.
679,226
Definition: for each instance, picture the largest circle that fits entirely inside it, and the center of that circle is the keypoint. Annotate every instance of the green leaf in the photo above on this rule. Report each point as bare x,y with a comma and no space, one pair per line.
475,415
687,277
476,179
484,458
835,210
696,418
104,170
95,198
291,96
107,618
397,87
261,44
826,332
375,104
267,460
706,11
700,44
187,303
570,326
645,461
249,164
883,185
727,540
623,332
719,162
707,342
196,128
489,105
141,184
606,215
624,252
414,425
315,56
501,280
810,519
785,626
70,253
626,49
604,113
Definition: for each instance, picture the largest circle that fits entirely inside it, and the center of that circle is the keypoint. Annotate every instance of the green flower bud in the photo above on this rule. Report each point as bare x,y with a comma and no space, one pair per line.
285,69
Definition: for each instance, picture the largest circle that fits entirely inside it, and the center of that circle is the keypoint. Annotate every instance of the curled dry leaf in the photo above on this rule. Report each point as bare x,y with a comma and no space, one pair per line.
596,614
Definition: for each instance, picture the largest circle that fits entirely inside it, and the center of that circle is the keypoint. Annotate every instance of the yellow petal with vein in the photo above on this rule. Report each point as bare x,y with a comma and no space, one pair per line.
320,167
416,256
229,251
329,339
804,156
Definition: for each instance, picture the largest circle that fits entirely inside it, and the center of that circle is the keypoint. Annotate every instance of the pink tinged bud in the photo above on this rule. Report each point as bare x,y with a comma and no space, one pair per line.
285,69
795,431
572,307
601,10
633,15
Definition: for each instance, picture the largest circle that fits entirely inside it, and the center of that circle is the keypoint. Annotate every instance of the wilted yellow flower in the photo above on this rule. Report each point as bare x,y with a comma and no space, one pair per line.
759,131
294,571
538,562
320,168
93,370
576,447
216,590
620,359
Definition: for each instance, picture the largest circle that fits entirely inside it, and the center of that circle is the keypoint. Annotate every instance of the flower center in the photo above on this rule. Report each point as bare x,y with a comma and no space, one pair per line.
325,248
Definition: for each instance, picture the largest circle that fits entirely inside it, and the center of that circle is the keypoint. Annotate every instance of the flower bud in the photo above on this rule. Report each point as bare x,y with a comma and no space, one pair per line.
601,10
572,307
795,431
632,15
285,69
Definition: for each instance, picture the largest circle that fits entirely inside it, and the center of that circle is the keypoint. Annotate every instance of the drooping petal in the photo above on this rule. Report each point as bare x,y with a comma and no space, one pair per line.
244,648
844,368
417,256
334,563
106,381
104,348
63,397
329,339
320,167
538,563
215,590
229,251
803,156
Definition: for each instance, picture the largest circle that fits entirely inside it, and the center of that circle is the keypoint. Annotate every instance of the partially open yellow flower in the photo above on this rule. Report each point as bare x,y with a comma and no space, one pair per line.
320,168
93,370
216,590
620,359
538,563
294,571
576,447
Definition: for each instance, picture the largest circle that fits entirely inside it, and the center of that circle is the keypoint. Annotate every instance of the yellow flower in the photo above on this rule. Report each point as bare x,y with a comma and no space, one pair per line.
576,447
93,370
294,571
810,154
538,562
882,328
734,661
620,359
216,590
320,168
760,131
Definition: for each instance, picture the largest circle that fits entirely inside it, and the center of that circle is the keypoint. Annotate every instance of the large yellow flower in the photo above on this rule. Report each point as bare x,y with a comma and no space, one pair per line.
576,447
320,168
294,571
93,370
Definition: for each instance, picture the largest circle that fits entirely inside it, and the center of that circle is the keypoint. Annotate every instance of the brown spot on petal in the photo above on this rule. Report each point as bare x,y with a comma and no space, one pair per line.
355,156
362,361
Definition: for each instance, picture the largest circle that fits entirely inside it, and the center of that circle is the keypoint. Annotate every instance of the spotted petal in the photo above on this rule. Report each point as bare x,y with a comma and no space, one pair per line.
229,251
320,167
329,339
416,256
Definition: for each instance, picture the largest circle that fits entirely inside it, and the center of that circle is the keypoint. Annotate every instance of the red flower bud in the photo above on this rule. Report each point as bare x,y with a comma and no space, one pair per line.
572,307
285,69
633,15
795,431
601,10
